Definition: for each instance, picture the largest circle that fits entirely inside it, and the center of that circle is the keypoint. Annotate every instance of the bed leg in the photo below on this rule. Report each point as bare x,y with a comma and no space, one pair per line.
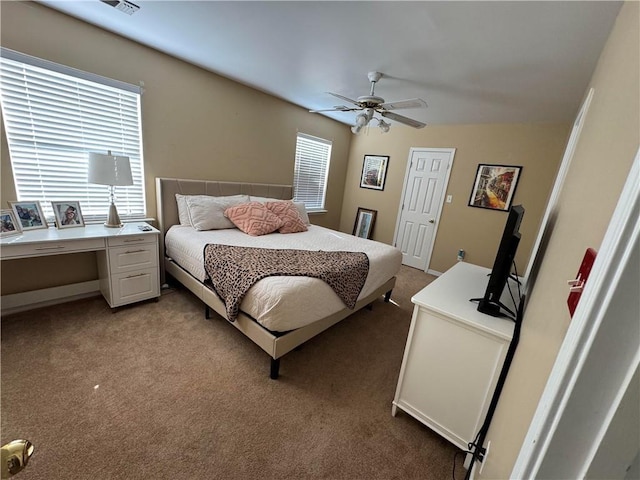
207,312
387,296
275,368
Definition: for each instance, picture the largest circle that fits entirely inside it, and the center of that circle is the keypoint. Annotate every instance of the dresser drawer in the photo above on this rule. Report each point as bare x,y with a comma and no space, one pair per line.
133,257
135,286
132,239
51,248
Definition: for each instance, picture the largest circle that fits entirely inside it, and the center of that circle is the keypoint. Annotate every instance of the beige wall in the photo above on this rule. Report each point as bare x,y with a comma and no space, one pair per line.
195,124
603,157
537,148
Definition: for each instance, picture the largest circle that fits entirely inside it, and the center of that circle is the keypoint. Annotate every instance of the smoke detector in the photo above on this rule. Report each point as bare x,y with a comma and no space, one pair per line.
123,5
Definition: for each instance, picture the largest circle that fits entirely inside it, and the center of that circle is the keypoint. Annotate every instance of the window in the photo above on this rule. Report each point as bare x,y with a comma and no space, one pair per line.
311,171
54,116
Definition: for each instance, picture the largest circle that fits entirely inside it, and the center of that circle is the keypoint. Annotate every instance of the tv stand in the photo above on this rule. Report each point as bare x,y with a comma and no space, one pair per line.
453,356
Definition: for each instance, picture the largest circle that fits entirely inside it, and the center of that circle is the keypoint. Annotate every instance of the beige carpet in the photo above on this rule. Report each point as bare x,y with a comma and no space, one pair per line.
156,391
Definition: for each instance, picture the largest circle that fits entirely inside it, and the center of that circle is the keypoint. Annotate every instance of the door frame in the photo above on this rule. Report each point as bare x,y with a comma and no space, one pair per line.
412,150
562,412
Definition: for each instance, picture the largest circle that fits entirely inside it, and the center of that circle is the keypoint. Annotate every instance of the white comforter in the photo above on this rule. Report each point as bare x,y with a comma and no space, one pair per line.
285,303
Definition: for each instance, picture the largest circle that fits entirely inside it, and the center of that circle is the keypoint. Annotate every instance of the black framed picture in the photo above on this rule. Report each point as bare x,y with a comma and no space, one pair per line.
495,186
365,219
374,171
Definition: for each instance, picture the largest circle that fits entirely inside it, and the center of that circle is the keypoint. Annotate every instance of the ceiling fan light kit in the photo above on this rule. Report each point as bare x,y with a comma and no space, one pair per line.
372,104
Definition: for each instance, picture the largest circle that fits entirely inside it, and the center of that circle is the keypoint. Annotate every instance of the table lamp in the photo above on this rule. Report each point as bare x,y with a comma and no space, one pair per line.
112,170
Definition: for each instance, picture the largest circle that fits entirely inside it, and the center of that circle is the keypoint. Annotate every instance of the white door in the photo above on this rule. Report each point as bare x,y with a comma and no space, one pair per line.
422,198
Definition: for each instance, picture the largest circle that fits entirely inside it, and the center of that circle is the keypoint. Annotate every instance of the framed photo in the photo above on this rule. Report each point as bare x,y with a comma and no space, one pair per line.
8,223
365,219
67,214
374,172
29,214
495,186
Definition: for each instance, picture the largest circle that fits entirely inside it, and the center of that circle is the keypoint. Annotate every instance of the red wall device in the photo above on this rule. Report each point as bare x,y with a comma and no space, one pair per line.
577,285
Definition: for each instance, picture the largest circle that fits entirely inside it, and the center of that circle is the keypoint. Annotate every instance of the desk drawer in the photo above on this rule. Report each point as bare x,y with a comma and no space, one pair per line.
135,286
132,239
52,248
133,257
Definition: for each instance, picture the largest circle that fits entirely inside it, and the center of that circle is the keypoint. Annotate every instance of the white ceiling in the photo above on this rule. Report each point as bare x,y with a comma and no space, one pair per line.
472,62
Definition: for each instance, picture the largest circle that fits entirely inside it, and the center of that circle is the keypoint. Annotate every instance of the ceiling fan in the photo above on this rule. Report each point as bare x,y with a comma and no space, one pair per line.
372,104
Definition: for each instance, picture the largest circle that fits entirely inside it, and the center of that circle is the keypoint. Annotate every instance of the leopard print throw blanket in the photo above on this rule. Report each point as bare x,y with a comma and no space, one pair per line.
234,270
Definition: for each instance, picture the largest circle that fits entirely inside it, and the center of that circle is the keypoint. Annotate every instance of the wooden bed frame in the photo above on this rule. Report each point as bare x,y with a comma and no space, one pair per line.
275,344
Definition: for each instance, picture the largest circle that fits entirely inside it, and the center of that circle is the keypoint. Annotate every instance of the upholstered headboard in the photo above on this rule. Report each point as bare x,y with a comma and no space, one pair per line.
166,189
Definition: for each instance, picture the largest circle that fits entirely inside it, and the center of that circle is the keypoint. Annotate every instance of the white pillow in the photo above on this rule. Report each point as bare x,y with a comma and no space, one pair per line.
183,210
299,205
265,199
302,210
207,212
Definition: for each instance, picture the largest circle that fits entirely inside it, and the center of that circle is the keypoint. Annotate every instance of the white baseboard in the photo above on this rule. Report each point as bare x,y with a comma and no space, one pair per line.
19,302
434,272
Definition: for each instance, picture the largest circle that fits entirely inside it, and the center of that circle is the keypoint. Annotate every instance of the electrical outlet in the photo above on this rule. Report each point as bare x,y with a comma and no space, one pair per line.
486,455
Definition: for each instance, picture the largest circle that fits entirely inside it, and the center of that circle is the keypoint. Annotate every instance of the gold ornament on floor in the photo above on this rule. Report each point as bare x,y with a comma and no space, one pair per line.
15,456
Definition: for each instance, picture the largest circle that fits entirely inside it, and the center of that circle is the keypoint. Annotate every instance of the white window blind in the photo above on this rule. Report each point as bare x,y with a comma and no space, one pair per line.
53,117
311,171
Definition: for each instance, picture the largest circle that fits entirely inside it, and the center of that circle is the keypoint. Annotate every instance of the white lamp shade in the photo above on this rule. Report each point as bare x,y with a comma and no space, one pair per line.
109,170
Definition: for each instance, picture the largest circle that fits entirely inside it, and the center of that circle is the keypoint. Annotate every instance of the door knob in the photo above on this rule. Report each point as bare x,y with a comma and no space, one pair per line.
432,221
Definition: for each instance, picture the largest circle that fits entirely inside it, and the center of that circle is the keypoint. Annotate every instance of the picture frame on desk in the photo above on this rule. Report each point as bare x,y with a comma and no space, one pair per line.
9,225
67,214
29,214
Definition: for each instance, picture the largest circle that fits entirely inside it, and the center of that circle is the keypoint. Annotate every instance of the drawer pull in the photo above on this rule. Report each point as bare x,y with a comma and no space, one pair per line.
129,240
138,275
134,251
57,247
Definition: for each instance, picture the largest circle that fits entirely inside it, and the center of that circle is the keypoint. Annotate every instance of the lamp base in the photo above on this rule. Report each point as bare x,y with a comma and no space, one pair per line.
113,220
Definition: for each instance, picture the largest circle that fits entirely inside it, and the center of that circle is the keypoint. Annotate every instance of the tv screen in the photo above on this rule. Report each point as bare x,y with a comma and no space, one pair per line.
490,303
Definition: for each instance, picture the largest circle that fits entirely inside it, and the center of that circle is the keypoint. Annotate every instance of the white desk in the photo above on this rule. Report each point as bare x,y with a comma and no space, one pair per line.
127,257
453,356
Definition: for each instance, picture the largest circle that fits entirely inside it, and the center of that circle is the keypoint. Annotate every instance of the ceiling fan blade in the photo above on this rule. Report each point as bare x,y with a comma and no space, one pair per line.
407,121
338,108
355,102
409,103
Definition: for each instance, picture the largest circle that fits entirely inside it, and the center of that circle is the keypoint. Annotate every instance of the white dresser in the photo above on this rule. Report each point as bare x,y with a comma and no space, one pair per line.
453,356
128,263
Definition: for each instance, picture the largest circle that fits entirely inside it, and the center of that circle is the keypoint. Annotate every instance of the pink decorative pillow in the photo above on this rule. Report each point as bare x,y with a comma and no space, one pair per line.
253,218
290,216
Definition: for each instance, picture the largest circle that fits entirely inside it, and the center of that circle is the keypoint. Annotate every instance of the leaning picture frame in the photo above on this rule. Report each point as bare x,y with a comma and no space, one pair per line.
67,214
9,224
365,220
374,171
29,214
495,186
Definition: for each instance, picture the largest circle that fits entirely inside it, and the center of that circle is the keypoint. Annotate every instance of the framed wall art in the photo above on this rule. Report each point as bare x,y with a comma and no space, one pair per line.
29,214
374,171
494,186
9,225
365,219
68,214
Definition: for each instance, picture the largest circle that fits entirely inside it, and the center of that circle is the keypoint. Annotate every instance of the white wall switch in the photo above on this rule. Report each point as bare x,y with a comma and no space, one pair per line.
449,198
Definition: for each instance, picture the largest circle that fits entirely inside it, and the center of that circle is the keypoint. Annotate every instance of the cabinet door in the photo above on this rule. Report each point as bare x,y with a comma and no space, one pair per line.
449,374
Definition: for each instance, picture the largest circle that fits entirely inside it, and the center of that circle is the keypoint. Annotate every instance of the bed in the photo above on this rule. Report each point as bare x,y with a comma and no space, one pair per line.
270,311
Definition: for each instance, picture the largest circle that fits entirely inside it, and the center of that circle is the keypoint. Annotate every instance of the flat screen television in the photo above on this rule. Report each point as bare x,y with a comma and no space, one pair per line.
501,271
